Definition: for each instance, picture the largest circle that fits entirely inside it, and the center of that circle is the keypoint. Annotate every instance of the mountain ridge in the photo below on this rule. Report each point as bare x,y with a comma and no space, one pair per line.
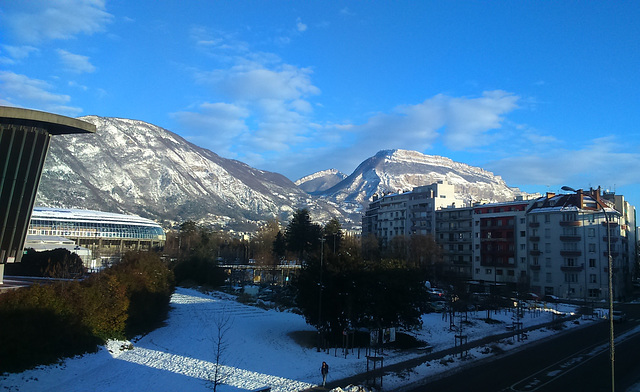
130,166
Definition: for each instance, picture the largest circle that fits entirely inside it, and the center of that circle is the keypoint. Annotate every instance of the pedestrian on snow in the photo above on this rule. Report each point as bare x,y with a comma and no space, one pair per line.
324,370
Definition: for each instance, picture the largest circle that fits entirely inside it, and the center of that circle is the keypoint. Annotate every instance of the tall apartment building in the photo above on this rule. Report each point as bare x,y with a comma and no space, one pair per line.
569,246
500,244
556,244
407,213
454,233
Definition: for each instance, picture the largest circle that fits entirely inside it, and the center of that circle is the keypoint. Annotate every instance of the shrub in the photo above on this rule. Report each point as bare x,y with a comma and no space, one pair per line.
41,324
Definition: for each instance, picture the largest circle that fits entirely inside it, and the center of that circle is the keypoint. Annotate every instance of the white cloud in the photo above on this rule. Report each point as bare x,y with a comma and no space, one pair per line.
75,62
274,101
603,161
300,26
43,20
19,52
468,119
23,91
221,124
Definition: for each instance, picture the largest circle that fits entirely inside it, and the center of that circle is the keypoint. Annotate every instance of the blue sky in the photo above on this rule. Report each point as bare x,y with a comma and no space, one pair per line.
542,93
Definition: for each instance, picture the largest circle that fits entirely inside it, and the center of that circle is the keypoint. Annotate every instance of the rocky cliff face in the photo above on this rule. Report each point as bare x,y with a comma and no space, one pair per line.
131,166
401,170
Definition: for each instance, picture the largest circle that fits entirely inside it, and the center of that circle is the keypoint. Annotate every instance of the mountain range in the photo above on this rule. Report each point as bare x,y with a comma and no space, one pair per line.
131,166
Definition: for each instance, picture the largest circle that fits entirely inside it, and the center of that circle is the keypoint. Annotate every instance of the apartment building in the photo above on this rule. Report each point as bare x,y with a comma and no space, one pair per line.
570,237
454,228
407,213
555,244
500,244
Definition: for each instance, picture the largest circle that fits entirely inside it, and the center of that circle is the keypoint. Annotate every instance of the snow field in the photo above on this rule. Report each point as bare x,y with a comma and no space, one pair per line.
259,352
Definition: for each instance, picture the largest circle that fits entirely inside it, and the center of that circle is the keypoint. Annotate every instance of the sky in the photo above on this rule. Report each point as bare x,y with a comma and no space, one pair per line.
541,93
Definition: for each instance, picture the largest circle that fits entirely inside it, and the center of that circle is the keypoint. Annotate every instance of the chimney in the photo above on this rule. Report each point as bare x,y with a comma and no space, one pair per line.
550,195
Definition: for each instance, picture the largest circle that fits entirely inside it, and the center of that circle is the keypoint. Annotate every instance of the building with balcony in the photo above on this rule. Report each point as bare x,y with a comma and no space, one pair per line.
500,243
569,246
407,213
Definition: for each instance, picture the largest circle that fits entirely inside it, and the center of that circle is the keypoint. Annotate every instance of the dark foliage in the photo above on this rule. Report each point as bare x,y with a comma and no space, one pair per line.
359,295
203,271
44,323
57,263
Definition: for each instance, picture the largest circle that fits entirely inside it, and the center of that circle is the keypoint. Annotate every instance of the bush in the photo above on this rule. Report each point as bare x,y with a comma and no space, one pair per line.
42,324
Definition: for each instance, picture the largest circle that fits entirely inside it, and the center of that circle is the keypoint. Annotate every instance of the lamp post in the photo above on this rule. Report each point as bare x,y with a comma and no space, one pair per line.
320,296
610,270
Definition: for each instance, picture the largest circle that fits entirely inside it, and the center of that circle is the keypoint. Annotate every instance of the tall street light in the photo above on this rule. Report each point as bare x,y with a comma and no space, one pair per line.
610,270
322,240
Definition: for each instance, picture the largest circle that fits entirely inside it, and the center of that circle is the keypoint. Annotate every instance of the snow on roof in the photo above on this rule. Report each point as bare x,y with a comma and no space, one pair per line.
72,214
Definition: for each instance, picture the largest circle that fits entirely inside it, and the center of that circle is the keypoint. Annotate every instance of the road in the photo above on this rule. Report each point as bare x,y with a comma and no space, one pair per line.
577,360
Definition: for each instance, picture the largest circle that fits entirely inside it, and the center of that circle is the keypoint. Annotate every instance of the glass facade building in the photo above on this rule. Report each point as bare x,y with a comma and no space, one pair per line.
108,235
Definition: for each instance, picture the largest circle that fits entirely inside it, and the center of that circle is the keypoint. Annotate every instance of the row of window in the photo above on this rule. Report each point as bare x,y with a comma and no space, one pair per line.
93,229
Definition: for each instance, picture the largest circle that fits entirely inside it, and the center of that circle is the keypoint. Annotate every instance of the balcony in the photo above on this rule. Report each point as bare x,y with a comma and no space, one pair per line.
535,267
570,238
535,252
613,254
534,224
534,239
613,239
571,268
569,223
570,253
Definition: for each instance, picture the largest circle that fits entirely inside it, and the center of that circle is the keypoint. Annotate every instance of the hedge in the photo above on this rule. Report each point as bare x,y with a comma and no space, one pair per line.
43,323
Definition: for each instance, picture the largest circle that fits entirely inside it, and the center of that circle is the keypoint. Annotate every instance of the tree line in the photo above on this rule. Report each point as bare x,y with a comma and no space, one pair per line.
345,281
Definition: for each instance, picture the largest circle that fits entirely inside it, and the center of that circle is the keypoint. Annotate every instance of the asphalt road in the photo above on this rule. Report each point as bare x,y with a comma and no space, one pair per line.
577,360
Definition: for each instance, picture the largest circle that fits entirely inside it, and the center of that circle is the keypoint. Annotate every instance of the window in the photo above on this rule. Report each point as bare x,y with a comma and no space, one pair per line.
593,278
523,233
510,273
487,271
536,276
547,248
549,277
570,262
477,271
547,233
523,246
547,262
592,263
594,293
547,218
592,248
499,272
570,278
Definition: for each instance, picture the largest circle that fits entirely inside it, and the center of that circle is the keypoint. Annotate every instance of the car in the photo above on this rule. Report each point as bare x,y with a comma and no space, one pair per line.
532,297
618,316
550,298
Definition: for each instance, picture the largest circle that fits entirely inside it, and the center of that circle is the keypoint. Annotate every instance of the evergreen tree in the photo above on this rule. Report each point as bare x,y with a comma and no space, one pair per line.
302,235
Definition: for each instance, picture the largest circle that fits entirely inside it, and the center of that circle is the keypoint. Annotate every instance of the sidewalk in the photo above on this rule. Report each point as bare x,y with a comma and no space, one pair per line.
360,379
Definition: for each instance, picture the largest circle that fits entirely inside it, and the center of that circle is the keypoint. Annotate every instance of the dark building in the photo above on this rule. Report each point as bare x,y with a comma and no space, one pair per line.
24,141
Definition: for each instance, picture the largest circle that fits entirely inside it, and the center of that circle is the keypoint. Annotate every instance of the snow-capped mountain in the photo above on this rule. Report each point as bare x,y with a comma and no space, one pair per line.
320,181
130,166
390,171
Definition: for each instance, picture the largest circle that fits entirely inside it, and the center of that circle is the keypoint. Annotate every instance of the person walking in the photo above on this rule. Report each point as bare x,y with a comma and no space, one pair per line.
324,370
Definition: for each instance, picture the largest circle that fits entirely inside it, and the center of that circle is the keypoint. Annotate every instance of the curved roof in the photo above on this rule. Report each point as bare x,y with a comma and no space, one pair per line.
53,123
89,215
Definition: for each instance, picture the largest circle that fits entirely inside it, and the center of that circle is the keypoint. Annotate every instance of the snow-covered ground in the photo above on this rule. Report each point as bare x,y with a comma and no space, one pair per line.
260,351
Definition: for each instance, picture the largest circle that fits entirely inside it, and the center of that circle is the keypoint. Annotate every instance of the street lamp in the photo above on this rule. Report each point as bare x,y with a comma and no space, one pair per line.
610,270
320,296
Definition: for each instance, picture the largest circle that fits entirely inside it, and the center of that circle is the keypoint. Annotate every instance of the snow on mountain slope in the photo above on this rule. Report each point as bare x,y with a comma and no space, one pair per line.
395,170
320,181
131,166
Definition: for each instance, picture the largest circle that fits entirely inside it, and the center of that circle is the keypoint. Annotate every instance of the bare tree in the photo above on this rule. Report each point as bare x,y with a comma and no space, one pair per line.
222,323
